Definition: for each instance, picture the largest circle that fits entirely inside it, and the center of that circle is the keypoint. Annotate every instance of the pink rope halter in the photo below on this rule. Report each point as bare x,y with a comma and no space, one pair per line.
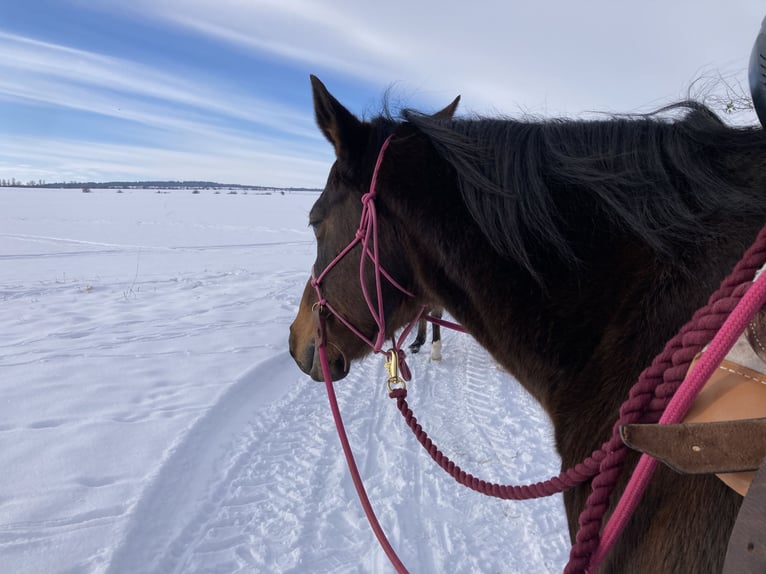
367,236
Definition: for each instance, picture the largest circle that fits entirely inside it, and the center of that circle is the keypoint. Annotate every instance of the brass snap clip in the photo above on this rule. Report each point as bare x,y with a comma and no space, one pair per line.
395,381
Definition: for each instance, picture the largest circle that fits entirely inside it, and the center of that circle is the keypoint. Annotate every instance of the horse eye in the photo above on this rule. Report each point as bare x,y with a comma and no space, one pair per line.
315,226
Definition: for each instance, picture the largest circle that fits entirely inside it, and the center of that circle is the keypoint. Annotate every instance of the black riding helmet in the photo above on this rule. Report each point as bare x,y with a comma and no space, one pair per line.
757,74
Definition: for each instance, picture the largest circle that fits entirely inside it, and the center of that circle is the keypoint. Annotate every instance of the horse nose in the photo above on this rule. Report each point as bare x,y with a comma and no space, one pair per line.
337,366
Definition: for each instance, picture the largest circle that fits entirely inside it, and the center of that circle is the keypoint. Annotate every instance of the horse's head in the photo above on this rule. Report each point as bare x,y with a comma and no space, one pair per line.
335,219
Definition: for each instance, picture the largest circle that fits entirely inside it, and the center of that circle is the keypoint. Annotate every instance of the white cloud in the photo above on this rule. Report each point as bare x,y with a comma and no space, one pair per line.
552,56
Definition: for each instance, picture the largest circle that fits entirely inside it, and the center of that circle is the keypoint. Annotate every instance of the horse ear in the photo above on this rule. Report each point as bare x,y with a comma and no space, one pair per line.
343,130
448,112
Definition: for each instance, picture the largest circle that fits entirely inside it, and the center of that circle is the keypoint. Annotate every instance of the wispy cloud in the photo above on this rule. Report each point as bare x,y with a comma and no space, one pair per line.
184,118
324,34
60,75
562,57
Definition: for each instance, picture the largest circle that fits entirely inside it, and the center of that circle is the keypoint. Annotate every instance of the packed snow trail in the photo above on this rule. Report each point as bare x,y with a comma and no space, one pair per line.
260,484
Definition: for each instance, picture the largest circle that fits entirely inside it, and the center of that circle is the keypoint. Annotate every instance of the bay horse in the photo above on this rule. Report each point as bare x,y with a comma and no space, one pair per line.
570,249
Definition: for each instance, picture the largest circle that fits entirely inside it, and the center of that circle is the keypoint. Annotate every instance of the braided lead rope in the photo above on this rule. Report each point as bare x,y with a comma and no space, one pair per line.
564,481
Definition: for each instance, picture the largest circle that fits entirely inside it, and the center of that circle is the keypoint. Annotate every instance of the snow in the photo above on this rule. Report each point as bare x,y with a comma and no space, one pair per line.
151,419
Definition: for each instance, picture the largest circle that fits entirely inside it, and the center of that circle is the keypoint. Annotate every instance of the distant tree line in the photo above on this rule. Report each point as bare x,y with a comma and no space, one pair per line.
13,182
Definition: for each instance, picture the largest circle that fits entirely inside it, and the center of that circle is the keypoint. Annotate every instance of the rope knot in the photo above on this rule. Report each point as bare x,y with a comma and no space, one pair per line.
399,393
404,369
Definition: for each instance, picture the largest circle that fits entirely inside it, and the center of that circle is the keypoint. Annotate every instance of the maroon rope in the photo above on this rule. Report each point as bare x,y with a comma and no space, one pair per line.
564,481
646,402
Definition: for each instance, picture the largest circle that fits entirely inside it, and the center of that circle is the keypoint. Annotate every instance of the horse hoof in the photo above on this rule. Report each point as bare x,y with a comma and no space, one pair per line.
436,351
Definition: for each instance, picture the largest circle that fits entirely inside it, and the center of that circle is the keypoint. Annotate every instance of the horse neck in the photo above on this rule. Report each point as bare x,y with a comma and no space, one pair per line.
576,346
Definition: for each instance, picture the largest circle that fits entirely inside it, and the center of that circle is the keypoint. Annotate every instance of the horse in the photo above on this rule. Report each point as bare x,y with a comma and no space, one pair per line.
570,249
436,334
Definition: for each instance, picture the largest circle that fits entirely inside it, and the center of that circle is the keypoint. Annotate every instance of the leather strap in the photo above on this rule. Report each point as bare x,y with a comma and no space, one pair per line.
702,448
713,438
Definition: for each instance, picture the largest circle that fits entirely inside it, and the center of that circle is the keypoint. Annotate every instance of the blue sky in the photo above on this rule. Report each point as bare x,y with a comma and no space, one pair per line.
218,89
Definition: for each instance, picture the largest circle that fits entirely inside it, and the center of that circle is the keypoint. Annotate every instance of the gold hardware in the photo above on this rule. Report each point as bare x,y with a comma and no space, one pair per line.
392,368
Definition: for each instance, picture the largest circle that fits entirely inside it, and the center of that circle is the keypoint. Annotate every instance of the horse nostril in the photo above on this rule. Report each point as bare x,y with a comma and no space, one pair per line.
340,369
308,357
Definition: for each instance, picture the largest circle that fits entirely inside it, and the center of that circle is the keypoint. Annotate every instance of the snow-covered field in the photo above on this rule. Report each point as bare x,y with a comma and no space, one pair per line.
151,419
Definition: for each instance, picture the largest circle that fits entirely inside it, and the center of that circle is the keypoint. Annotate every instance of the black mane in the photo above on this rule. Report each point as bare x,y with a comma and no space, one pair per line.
548,186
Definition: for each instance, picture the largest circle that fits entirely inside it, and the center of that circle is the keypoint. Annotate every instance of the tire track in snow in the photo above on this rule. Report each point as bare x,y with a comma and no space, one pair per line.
486,423
100,248
516,442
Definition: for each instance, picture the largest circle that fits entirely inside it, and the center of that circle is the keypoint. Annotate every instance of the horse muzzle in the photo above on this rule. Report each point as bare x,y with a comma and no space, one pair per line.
304,351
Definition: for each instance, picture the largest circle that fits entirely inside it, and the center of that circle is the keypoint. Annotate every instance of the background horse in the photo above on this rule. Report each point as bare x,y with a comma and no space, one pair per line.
571,250
436,334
